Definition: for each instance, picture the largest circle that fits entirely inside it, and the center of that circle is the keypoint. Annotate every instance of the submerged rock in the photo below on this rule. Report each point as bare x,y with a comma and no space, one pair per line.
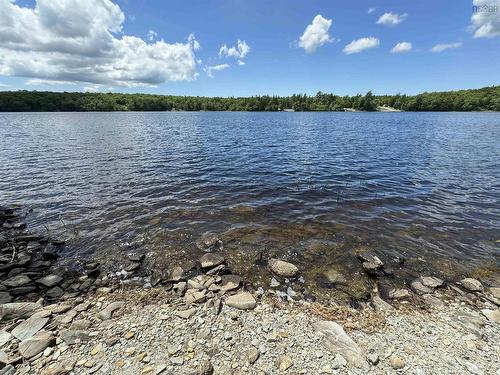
209,241
282,268
419,288
230,282
210,260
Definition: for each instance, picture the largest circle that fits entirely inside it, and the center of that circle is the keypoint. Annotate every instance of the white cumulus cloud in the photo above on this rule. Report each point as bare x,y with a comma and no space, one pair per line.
485,20
391,19
402,47
240,51
359,45
83,41
371,10
444,46
316,34
215,68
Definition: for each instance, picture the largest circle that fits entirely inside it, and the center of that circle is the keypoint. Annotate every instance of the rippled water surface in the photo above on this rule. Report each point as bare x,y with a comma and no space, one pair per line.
308,186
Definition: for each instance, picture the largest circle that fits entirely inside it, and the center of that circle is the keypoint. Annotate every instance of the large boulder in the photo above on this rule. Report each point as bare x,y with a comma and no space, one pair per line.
282,268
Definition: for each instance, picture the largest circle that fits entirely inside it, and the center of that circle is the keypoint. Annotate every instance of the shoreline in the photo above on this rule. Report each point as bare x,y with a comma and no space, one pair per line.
72,327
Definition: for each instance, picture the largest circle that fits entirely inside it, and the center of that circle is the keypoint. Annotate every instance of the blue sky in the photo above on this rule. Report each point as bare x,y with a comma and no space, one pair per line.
145,46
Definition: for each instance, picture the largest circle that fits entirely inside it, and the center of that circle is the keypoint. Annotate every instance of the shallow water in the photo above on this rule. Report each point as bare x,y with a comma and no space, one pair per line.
312,187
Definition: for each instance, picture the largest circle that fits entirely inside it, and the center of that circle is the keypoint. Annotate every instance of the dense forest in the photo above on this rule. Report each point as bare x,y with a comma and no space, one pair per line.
484,99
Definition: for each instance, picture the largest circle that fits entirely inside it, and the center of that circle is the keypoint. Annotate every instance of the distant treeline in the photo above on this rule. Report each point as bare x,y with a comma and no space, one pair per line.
484,99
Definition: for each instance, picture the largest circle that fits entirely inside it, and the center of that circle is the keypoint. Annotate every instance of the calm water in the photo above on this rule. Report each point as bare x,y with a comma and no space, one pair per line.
310,186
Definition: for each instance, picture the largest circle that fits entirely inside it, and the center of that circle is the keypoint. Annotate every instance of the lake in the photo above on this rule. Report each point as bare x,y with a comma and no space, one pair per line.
310,187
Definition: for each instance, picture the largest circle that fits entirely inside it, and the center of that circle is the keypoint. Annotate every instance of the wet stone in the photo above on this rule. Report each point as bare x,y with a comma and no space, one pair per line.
210,260
50,280
17,281
54,292
472,285
419,288
431,281
230,282
282,268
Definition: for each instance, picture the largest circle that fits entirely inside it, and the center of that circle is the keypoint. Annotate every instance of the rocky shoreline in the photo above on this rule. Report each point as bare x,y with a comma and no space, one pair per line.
205,320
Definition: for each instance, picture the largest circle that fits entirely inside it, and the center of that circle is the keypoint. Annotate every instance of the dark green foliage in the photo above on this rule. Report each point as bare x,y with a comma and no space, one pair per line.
485,99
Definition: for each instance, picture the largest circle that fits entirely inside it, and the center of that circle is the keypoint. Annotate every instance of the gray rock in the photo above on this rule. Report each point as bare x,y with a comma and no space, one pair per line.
5,337
194,296
371,268
186,314
107,313
284,362
177,274
18,310
337,341
50,280
5,297
71,337
205,367
492,315
282,268
380,305
180,288
230,282
399,293
432,301
30,347
397,362
80,324
469,321
431,281
419,288
210,260
472,284
8,370
208,241
242,301
274,283
17,281
252,355
373,358
495,292
54,292
29,327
